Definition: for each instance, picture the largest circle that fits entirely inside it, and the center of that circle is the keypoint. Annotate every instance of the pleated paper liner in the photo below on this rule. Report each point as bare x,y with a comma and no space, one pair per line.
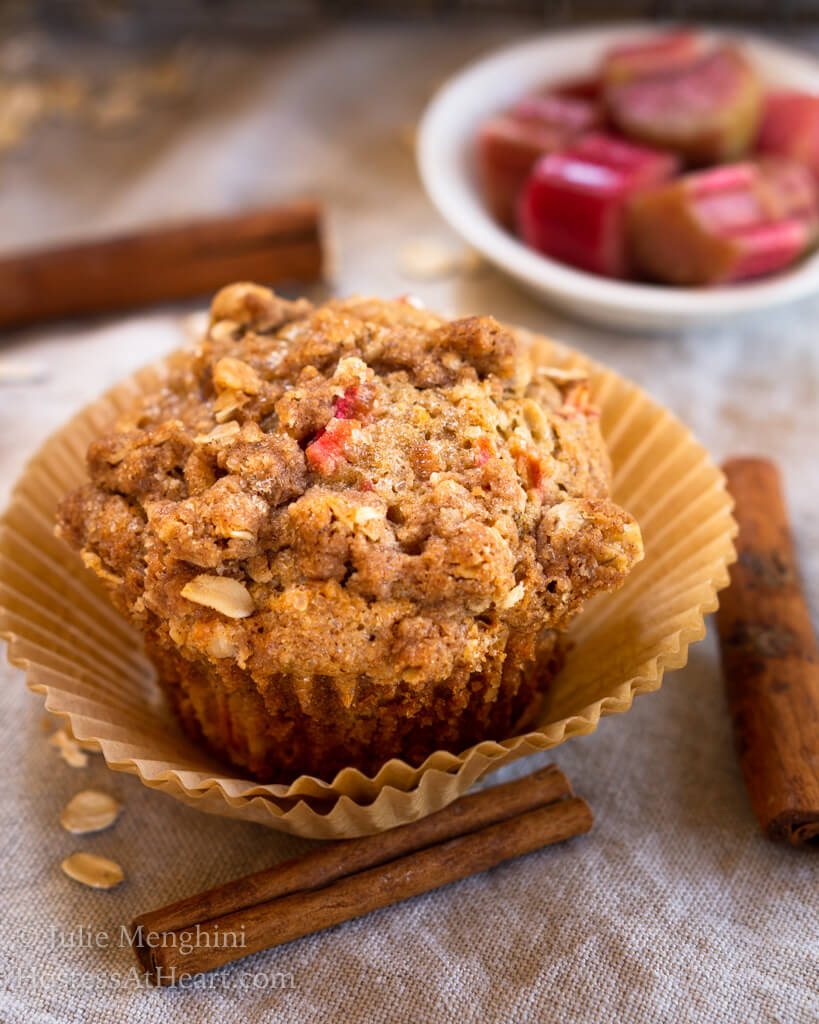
85,659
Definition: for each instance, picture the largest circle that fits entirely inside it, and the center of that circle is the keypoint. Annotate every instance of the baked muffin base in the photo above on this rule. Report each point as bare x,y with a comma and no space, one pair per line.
276,740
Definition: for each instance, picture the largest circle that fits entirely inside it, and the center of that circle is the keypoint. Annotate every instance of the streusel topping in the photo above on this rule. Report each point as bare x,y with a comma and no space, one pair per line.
359,491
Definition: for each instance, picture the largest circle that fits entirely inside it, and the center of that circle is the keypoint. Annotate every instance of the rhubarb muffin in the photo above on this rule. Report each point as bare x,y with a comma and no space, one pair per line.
352,531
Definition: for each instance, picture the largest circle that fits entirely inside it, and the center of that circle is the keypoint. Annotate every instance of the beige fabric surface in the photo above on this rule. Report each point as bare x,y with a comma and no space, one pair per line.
674,908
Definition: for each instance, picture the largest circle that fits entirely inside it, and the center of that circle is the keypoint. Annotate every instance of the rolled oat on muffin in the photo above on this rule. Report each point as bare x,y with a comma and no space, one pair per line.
352,532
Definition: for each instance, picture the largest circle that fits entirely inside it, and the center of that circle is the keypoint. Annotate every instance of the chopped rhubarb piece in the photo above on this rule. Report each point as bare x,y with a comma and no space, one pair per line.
508,145
354,404
707,111
650,55
573,206
507,149
590,89
563,113
326,452
790,127
577,402
530,464
484,450
726,224
796,193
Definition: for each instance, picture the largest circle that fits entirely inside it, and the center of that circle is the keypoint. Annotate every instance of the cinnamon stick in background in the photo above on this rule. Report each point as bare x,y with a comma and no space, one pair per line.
274,245
346,879
770,660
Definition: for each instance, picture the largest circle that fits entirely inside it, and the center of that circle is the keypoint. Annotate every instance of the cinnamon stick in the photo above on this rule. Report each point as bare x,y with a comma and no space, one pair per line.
274,245
335,860
771,661
344,880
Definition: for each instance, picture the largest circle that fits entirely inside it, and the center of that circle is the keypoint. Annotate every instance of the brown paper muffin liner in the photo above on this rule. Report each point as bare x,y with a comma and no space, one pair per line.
88,662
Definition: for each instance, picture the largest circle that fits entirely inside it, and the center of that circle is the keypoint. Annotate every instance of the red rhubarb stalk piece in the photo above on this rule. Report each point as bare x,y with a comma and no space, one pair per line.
647,56
354,404
707,111
726,224
530,464
565,114
573,206
484,450
790,127
577,402
509,144
326,452
590,88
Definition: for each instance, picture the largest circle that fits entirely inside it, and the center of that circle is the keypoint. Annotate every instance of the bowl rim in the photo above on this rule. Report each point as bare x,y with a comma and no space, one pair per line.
443,145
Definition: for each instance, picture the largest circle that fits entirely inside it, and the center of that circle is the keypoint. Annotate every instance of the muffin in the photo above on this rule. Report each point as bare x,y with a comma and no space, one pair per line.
352,531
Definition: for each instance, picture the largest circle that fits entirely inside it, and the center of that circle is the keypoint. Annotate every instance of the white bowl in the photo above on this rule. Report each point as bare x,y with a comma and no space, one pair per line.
446,162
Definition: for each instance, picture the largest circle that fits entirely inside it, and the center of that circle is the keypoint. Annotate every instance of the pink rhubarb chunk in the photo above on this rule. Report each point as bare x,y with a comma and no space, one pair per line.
354,404
790,127
573,207
727,224
327,452
589,89
661,53
508,145
706,111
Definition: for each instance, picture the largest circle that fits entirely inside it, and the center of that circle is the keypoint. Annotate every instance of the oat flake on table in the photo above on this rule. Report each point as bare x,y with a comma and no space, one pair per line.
90,811
94,871
69,749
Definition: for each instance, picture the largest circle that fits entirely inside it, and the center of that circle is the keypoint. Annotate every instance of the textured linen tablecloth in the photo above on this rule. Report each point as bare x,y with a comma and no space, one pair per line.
674,907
